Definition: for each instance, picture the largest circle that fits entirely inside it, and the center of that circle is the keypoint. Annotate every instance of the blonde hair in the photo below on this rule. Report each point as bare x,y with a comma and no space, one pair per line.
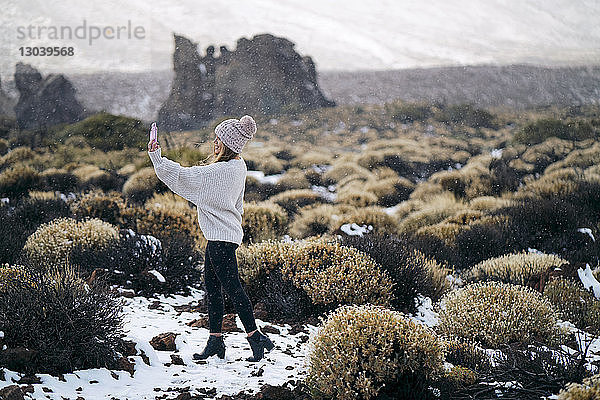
225,154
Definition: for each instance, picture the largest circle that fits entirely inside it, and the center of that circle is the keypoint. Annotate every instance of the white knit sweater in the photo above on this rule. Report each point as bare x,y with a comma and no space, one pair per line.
216,189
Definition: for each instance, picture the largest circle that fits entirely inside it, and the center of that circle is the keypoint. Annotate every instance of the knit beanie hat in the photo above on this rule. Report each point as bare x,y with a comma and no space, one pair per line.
235,133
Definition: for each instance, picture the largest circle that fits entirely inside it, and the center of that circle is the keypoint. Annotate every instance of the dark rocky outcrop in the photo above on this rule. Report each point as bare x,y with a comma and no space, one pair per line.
266,75
6,104
262,75
46,101
190,103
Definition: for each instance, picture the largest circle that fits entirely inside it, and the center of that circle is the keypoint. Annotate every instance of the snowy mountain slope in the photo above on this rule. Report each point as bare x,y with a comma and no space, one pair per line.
360,34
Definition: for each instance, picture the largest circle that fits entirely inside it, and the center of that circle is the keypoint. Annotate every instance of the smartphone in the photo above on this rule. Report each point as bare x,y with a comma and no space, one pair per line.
153,132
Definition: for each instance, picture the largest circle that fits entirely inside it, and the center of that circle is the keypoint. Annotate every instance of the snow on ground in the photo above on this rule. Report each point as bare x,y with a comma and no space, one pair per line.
229,376
265,179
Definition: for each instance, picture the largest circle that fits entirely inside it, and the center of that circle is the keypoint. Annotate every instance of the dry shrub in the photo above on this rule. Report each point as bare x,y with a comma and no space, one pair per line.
445,231
52,242
165,216
488,203
340,170
390,191
142,185
549,151
356,196
70,325
262,221
581,158
366,351
293,178
17,155
292,200
526,269
467,354
59,179
375,216
317,219
108,207
433,212
335,274
411,271
496,314
575,304
310,158
589,389
17,180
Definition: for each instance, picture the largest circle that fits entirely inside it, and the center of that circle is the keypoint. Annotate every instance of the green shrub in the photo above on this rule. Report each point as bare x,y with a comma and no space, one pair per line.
542,129
465,114
366,351
496,313
408,112
105,132
70,325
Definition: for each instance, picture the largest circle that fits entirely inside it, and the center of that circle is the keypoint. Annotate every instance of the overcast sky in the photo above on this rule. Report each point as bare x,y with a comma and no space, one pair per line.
338,35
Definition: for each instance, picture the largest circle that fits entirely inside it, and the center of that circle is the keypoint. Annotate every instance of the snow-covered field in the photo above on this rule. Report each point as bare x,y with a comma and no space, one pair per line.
228,376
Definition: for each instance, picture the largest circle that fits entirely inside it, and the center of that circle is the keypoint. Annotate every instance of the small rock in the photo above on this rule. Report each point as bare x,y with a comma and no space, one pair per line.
201,322
270,329
29,379
257,373
176,359
11,392
46,389
184,396
229,324
289,368
155,305
128,347
164,341
125,365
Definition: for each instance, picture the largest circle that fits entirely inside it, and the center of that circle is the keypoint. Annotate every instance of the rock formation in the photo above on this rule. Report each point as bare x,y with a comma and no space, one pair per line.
190,103
266,75
6,104
262,75
46,101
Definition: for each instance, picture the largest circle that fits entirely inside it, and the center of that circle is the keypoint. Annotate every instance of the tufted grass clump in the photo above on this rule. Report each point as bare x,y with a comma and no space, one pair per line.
70,325
589,389
366,351
495,314
574,303
52,242
526,269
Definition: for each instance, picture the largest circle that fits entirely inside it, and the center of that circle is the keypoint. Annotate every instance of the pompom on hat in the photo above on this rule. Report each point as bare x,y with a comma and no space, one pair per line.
236,133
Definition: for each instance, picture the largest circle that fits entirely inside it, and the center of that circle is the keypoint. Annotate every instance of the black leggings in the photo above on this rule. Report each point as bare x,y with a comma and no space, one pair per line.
221,269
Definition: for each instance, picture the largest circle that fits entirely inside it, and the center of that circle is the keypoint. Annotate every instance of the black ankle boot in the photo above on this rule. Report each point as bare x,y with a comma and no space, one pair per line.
258,343
215,345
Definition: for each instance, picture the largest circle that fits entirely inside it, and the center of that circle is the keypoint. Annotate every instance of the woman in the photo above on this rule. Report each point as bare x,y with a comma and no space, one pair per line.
217,189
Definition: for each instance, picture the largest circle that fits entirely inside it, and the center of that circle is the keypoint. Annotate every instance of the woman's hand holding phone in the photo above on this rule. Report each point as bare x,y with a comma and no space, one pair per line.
153,143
